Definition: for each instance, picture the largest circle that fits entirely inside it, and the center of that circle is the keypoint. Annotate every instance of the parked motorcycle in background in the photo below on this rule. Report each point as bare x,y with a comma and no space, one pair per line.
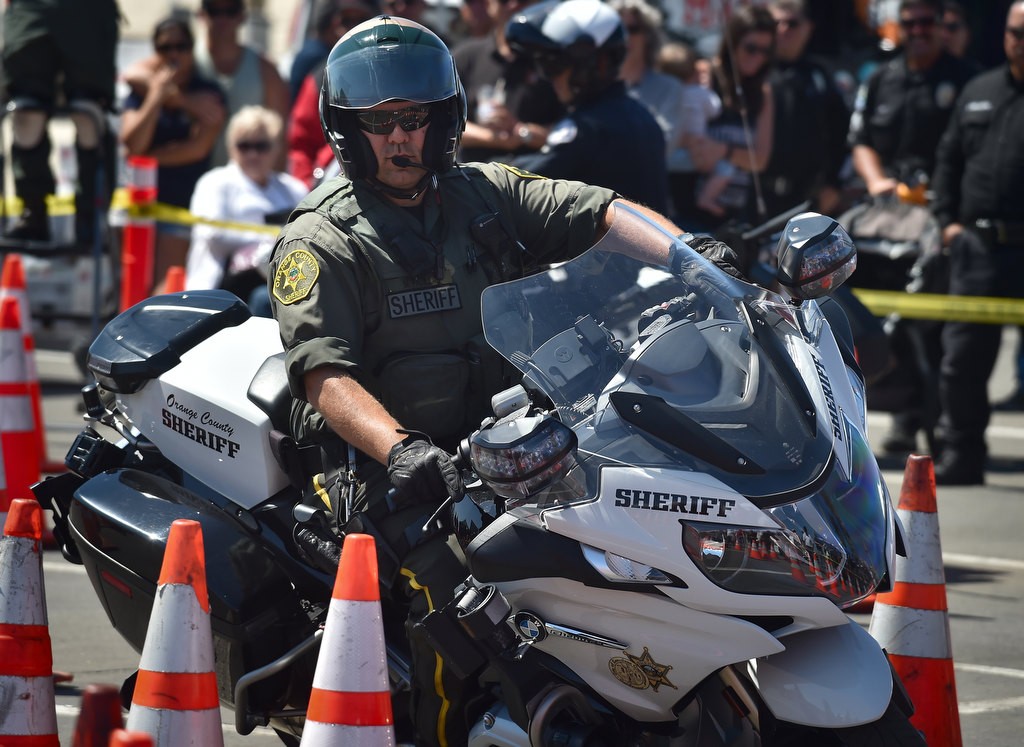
663,523
899,243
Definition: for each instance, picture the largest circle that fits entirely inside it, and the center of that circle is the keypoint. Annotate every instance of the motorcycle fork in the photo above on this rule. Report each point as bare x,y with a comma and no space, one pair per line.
738,694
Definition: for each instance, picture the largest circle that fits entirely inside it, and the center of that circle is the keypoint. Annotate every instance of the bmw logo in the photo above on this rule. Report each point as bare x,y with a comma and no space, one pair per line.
530,627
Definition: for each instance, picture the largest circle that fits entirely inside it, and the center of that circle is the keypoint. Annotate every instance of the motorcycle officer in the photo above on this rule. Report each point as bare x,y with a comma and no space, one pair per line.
375,282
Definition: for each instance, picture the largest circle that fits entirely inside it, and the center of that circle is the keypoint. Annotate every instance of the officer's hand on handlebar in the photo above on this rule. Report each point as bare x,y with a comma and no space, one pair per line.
422,473
724,257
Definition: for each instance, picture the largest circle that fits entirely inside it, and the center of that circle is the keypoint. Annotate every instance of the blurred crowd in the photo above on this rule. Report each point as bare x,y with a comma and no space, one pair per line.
763,106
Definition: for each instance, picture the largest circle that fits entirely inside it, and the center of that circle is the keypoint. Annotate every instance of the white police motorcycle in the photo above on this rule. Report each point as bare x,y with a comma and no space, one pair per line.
663,523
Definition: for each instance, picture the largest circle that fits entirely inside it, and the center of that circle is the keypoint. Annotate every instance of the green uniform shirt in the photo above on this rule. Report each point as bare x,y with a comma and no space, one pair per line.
392,295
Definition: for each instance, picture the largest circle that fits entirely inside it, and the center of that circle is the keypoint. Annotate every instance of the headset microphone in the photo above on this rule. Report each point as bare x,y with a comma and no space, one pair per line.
405,162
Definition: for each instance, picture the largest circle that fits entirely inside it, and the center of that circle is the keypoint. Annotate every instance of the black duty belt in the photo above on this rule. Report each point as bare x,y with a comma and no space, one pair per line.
1001,231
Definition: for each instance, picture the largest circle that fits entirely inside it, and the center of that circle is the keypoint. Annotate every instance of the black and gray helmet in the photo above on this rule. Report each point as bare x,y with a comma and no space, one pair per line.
390,59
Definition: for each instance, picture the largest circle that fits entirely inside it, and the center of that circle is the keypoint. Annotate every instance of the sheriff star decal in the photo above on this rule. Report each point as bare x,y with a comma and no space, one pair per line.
640,672
296,276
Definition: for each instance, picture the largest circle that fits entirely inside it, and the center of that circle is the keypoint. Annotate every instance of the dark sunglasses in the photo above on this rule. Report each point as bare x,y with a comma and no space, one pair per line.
1016,33
752,49
924,22
634,28
789,23
224,12
383,123
173,47
953,26
258,146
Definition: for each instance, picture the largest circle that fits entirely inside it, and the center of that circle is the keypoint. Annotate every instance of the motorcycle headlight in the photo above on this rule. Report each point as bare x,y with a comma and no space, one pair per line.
520,458
832,542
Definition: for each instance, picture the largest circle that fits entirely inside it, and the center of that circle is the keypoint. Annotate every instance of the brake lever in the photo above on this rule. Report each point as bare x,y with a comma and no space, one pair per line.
436,515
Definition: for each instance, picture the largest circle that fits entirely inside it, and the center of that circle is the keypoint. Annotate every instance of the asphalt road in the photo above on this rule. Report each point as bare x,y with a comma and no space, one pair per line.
981,531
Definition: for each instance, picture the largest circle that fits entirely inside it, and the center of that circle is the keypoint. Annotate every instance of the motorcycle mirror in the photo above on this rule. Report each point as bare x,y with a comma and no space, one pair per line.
815,254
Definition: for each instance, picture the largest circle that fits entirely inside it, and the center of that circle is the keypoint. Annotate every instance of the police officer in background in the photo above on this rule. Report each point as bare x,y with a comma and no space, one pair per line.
811,120
376,282
609,138
898,120
979,180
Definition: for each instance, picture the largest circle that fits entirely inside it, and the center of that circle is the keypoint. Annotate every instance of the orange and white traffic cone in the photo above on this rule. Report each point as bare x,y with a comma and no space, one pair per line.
125,738
175,698
351,703
100,716
18,438
174,280
29,712
12,283
911,622
5,500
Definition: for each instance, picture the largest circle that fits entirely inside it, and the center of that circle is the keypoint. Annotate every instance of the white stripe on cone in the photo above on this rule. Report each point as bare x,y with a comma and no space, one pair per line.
352,655
13,365
921,567
179,638
316,733
177,728
27,704
16,414
904,631
22,594
25,312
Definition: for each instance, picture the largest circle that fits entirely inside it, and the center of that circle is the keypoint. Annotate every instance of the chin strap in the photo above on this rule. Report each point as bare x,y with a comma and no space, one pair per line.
429,180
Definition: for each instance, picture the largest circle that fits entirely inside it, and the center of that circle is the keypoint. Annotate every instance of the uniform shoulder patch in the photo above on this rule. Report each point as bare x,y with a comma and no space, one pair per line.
519,172
296,276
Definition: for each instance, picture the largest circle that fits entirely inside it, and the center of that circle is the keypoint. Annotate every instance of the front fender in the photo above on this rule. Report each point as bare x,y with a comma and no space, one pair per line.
831,677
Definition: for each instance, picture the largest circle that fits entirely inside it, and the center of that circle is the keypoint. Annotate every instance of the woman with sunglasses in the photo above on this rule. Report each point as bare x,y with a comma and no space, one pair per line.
175,117
247,190
741,135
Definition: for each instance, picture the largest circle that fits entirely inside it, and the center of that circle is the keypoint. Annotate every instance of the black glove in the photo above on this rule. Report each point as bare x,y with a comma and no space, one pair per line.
718,252
422,473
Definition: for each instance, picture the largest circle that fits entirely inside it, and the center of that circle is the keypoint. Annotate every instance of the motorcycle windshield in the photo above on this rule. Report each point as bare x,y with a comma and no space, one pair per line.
687,369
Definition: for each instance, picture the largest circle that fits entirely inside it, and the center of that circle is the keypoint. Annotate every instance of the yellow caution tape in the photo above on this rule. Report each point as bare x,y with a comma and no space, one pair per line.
121,207
171,214
940,307
934,306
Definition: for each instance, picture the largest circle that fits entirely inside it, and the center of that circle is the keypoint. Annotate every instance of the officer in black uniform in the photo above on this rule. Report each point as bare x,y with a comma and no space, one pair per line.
811,120
376,281
608,138
898,120
979,180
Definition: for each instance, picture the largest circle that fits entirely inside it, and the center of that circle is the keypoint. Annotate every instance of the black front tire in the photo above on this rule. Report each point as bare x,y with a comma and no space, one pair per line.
893,729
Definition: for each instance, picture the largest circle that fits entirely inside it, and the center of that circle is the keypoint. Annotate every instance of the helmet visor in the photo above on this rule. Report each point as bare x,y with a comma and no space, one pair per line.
400,72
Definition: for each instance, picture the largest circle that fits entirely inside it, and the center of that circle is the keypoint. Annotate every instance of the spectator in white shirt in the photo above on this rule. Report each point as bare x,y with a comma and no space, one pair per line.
247,191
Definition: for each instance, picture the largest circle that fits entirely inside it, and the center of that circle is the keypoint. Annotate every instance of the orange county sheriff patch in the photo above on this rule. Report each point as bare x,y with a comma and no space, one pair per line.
296,276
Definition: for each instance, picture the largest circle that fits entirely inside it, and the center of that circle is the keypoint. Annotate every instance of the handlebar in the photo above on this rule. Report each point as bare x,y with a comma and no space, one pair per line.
776,223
